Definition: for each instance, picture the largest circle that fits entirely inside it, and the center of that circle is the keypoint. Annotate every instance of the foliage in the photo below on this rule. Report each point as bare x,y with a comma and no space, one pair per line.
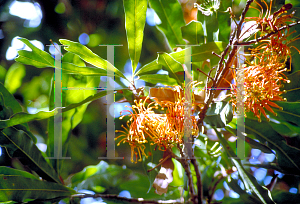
183,124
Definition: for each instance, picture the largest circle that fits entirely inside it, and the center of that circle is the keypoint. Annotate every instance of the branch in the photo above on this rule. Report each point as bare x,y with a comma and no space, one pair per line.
187,169
199,182
221,72
119,198
269,34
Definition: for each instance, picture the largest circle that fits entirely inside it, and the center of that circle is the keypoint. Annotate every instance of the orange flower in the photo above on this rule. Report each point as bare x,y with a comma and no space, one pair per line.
163,130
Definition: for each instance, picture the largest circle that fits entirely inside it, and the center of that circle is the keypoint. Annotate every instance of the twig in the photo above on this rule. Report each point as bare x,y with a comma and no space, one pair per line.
199,182
242,18
213,189
123,199
160,163
186,166
204,74
269,34
215,54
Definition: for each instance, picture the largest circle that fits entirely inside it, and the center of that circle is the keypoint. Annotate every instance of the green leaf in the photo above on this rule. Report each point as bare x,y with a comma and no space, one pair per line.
193,32
219,114
20,145
258,145
18,188
290,112
285,197
10,171
87,55
287,156
135,17
36,57
159,78
71,68
284,128
14,76
250,182
102,174
23,117
171,16
10,99
292,88
170,64
199,54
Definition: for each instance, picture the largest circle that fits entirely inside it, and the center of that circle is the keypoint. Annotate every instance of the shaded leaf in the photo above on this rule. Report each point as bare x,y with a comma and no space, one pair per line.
193,32
171,16
87,55
285,197
20,145
292,88
159,78
86,71
10,171
10,99
135,17
18,188
286,155
219,114
14,76
250,182
23,117
290,112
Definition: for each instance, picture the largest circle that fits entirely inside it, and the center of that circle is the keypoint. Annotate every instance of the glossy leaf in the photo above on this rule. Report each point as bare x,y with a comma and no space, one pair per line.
170,64
159,78
18,188
219,114
171,16
20,145
14,77
193,32
10,171
87,55
36,57
135,17
199,54
86,71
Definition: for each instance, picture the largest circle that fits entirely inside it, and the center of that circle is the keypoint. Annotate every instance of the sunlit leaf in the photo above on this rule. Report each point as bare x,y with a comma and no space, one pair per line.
199,54
135,17
193,32
87,55
170,64
36,57
159,78
14,76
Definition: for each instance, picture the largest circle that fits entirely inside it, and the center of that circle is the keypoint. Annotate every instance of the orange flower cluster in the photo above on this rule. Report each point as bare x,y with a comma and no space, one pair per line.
264,76
163,130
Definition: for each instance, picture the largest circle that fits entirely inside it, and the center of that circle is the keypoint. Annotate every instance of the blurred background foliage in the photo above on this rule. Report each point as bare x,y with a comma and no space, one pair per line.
92,23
